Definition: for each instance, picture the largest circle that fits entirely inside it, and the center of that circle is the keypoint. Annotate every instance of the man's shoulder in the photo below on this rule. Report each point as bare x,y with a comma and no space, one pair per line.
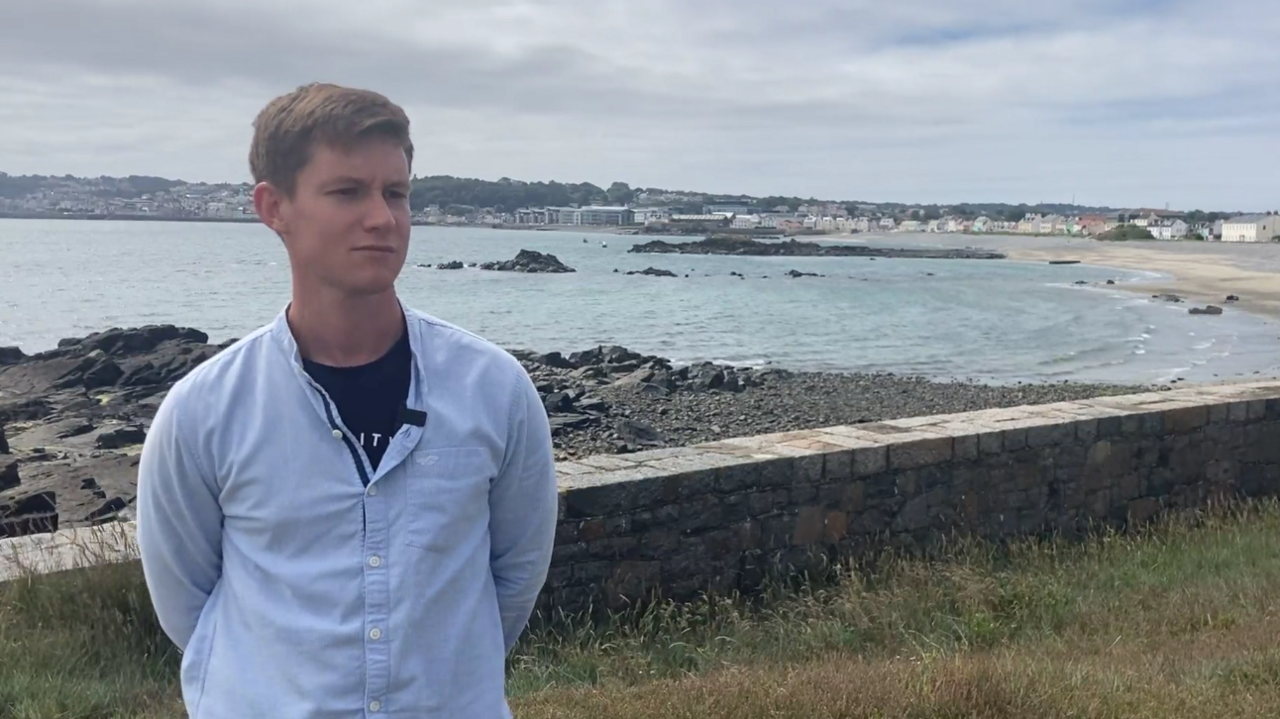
219,373
455,345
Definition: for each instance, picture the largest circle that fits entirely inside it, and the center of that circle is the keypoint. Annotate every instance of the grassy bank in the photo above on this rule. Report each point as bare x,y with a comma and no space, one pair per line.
1182,621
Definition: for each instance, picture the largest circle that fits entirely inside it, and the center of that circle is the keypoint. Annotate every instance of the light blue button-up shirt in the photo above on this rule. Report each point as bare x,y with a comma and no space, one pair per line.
295,591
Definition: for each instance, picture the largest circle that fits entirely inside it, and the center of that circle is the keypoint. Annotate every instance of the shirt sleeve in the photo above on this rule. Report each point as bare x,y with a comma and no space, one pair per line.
179,524
523,509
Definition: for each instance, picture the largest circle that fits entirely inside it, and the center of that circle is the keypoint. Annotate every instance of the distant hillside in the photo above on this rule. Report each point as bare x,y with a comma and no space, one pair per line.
463,194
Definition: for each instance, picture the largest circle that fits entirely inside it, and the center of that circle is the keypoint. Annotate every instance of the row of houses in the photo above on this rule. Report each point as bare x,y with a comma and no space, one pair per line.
1162,225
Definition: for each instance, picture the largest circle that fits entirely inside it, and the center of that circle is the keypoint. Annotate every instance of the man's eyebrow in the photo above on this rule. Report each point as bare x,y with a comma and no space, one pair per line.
346,180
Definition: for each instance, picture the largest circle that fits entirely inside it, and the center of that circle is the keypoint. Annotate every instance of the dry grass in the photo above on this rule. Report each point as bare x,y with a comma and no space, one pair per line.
1180,621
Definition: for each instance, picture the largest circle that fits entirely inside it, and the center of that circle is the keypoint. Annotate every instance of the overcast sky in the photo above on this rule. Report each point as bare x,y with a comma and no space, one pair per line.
1116,102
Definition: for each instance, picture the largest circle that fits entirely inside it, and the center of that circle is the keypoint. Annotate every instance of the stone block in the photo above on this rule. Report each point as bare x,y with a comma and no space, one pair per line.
597,462
967,447
990,443
810,526
1110,427
614,498
780,471
1015,439
1238,412
1153,424
837,526
569,469
808,469
870,460
1087,431
1218,413
920,452
837,466
803,494
854,499
1051,435
1185,419
1257,410
738,477
1143,510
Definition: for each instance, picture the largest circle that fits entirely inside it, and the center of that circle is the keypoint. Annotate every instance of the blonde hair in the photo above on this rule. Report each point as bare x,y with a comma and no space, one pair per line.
287,129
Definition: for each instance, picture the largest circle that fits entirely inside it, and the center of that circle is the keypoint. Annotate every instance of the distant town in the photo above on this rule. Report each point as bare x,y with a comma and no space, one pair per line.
449,201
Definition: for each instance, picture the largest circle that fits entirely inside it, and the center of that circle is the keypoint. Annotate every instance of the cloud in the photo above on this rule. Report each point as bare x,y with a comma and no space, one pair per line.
1122,102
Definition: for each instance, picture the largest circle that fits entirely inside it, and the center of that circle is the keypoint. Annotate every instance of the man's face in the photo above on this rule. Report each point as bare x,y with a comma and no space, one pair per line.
346,228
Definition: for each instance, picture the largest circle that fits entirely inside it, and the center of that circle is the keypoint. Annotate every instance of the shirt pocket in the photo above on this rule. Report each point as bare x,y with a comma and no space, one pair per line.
448,496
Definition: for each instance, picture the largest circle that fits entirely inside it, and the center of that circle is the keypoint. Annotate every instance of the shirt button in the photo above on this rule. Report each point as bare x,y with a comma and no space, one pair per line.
337,434
375,634
375,561
373,489
375,705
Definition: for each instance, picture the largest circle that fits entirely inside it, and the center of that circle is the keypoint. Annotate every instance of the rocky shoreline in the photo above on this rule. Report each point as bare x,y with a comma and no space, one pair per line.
72,419
745,246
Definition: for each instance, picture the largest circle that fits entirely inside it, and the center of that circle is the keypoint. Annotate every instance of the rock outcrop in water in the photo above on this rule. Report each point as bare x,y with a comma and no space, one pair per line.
529,261
734,245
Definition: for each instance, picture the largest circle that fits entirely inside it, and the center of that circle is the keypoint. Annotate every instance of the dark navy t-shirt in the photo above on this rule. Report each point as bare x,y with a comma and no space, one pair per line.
369,397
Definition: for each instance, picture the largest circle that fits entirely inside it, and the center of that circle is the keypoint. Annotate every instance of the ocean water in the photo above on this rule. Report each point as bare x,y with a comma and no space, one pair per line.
995,321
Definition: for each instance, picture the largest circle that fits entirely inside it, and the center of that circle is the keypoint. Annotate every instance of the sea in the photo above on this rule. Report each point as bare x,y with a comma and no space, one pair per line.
994,321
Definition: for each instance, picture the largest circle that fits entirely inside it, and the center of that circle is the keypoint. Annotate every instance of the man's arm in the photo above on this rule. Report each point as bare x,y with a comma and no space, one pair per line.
523,508
179,522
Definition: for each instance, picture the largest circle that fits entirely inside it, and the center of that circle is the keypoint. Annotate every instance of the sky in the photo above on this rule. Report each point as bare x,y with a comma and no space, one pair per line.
1125,103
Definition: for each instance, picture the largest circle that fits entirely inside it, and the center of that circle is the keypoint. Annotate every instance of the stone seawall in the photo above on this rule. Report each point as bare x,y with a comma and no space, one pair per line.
719,517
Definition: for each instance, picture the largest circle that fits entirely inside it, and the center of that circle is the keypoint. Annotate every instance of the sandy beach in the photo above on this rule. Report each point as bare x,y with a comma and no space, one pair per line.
1201,272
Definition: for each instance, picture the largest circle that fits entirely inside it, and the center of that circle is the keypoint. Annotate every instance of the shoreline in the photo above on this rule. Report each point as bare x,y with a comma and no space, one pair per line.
1201,279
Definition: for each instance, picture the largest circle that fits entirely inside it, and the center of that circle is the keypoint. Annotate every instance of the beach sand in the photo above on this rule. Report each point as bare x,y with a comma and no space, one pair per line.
1201,272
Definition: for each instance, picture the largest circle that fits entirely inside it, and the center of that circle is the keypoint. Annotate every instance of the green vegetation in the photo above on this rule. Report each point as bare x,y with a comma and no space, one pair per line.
1178,620
1126,232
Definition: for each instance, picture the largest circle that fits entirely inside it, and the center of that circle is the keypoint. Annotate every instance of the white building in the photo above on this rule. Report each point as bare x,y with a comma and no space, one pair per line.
1251,228
1168,229
745,222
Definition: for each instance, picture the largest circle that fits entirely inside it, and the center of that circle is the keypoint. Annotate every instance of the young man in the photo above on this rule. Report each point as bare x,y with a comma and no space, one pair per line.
350,511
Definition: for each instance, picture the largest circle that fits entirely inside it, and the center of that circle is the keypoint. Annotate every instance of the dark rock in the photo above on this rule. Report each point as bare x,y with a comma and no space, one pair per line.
9,475
4,441
1168,297
558,402
654,272
562,423
122,342
122,437
11,355
89,483
798,273
454,265
1210,310
1080,282
553,359
33,514
108,510
593,405
639,434
104,373
1111,282
1064,262
77,429
529,261
1233,298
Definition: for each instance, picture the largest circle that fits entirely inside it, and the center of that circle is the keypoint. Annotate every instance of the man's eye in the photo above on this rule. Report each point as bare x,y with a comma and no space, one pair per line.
346,191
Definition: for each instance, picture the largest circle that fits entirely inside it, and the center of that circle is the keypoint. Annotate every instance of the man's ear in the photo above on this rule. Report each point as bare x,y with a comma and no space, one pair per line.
268,201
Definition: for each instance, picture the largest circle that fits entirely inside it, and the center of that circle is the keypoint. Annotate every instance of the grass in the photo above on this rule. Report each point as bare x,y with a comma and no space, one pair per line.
1180,620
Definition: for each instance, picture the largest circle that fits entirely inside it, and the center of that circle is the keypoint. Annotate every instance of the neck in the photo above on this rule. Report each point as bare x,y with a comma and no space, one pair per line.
343,331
